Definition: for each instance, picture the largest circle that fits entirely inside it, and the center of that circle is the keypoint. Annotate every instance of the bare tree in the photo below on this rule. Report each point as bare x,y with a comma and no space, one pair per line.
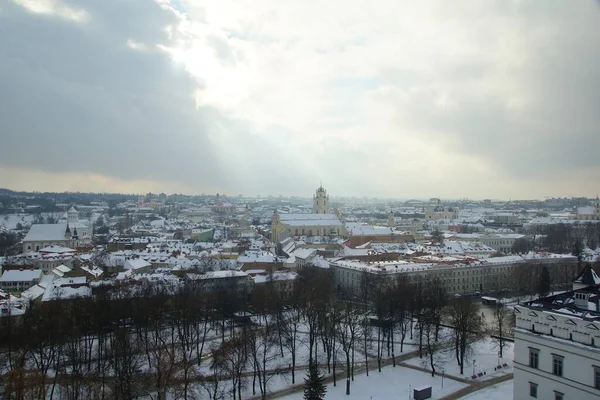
232,357
468,327
402,317
212,384
347,330
124,353
288,327
432,342
501,326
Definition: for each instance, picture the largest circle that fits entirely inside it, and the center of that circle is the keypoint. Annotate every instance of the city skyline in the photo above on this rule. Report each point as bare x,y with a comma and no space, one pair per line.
474,99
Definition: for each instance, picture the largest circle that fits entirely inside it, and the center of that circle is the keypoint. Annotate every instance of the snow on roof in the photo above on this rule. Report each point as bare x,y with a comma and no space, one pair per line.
320,262
332,221
45,232
255,271
503,260
67,288
348,251
368,230
56,249
258,257
307,217
385,266
63,268
33,292
586,210
217,275
15,275
277,276
587,276
136,263
94,271
304,253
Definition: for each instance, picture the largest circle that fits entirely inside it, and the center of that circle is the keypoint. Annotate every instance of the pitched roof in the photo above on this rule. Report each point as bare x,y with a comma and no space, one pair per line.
136,263
21,276
587,276
46,232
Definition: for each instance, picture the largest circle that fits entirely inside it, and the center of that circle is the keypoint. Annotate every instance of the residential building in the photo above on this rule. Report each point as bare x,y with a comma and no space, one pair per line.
557,344
360,234
502,242
222,280
457,275
137,266
16,281
282,281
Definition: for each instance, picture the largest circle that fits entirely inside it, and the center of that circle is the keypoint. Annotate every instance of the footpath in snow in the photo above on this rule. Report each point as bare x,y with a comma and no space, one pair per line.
390,383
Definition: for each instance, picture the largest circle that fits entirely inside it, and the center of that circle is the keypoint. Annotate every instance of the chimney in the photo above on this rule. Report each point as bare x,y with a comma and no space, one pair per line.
581,300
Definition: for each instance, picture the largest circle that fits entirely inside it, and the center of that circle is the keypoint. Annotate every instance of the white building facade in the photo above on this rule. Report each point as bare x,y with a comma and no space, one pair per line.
557,347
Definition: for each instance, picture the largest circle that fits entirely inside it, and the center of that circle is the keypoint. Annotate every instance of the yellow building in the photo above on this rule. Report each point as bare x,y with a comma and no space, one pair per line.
320,223
439,211
589,213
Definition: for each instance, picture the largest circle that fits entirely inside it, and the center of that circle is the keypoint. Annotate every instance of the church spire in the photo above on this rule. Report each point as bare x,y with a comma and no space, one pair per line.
321,201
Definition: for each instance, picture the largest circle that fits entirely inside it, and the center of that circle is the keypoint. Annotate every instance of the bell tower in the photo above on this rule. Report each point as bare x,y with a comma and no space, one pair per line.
321,201
72,216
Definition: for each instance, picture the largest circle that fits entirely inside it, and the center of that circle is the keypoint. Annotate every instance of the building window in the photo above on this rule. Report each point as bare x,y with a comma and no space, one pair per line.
557,365
597,377
533,390
559,396
534,358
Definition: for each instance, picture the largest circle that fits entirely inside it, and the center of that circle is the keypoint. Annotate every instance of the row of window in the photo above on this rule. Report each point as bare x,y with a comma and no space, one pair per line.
557,369
533,392
557,361
309,232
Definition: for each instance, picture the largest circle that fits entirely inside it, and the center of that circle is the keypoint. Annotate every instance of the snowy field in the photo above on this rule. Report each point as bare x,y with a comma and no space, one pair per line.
484,359
501,391
390,383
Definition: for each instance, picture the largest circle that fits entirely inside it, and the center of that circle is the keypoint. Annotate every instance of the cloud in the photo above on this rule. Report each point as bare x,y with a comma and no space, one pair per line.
408,99
54,8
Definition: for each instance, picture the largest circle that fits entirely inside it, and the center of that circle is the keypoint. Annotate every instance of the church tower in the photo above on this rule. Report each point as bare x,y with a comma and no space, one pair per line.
391,220
72,216
275,227
321,201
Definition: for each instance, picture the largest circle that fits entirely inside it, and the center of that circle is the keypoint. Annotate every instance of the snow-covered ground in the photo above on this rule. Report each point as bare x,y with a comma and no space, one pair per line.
484,355
501,391
390,383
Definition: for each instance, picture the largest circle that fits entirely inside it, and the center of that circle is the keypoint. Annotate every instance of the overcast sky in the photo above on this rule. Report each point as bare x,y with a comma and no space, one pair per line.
452,99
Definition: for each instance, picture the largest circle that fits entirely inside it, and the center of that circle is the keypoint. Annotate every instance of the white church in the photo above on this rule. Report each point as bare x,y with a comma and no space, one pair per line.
69,232
321,222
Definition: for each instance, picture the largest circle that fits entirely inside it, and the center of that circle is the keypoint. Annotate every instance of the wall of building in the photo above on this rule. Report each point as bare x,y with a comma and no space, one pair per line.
550,335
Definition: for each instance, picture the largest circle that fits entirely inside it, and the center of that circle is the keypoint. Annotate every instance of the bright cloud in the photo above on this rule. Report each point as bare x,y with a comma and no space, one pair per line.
54,8
408,99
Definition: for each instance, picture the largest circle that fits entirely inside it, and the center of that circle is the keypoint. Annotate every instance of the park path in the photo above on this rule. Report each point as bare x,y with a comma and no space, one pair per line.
477,386
359,369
